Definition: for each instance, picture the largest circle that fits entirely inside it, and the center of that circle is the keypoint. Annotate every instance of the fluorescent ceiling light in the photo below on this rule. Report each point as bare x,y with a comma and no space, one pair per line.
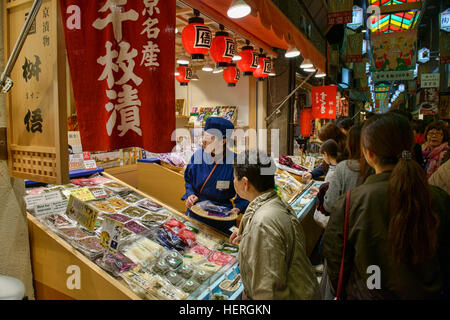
292,53
401,87
216,70
177,74
309,69
208,68
238,9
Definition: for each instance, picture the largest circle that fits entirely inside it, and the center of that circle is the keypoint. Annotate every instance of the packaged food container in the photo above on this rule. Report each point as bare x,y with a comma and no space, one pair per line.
221,258
173,277
119,217
186,271
89,246
160,267
173,259
135,227
201,276
189,286
134,212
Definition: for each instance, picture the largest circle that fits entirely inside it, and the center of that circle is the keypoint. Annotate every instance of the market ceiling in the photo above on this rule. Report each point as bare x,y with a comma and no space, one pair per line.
266,27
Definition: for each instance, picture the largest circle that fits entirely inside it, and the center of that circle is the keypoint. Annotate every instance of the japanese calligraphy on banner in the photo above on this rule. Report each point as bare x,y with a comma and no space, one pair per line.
340,12
395,51
355,47
122,55
429,101
444,41
324,102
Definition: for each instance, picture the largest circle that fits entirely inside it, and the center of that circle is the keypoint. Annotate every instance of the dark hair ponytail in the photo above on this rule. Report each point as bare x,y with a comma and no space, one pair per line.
413,225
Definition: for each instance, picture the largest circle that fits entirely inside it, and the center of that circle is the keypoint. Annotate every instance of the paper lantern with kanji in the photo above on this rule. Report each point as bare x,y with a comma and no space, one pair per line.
249,61
184,76
196,38
264,68
306,122
222,49
231,75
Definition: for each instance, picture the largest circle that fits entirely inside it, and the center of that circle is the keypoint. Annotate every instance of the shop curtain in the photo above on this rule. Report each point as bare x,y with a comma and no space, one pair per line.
121,55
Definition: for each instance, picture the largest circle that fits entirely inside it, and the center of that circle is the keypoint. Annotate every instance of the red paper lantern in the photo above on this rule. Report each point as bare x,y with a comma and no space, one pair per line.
196,38
249,61
264,68
184,76
222,49
306,122
231,75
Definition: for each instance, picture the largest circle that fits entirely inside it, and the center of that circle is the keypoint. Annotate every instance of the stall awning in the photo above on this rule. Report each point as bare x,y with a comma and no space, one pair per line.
266,26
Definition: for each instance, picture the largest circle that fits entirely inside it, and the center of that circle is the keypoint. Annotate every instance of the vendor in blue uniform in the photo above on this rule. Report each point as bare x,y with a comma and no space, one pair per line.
209,174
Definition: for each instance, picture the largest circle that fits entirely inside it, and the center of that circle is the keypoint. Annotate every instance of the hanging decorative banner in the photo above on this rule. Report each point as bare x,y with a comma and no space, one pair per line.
340,12
429,101
324,102
355,47
429,80
121,55
394,53
444,41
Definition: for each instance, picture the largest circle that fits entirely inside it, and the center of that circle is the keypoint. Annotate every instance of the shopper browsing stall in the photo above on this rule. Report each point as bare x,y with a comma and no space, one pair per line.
396,222
435,146
272,255
209,174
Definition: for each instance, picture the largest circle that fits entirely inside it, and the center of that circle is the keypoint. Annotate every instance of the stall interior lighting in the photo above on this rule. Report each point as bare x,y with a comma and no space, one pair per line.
237,58
177,74
207,68
183,60
292,53
309,69
238,9
306,64
320,75
217,70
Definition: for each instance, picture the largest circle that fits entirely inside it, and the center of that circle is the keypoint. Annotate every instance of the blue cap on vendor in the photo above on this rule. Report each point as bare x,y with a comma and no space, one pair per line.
209,178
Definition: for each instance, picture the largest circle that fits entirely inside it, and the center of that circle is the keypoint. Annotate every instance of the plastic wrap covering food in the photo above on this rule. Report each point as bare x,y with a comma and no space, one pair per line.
201,250
135,227
193,258
207,240
119,217
209,267
115,263
116,187
89,246
186,270
102,206
142,251
228,248
153,219
149,205
201,275
71,233
174,225
117,203
56,221
214,210
134,212
167,239
173,277
221,258
132,197
174,259
189,286
174,158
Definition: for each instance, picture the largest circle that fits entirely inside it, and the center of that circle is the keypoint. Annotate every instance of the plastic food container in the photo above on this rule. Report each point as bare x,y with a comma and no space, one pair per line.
226,289
201,276
134,212
189,286
185,271
174,278
174,259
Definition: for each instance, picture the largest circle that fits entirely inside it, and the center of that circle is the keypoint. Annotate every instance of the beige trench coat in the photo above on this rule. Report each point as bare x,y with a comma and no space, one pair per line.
272,255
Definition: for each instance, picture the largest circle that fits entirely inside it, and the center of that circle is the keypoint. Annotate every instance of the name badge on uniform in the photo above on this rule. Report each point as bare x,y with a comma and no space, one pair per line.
223,185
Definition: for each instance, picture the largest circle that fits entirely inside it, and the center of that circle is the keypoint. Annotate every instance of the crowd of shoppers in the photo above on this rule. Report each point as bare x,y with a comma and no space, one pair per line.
382,206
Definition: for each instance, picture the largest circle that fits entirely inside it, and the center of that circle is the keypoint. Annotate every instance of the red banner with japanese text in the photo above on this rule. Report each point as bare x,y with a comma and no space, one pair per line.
122,55
340,12
324,102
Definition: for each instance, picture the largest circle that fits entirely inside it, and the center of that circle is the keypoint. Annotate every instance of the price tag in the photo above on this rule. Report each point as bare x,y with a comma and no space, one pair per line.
84,194
111,234
82,212
90,164
99,193
52,196
86,156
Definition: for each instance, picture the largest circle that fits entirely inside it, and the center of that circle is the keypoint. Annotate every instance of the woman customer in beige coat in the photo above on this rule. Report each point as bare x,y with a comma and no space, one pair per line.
272,256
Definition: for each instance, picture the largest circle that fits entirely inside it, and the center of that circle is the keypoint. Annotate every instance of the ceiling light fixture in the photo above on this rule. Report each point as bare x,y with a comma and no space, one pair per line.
217,70
320,74
237,57
292,53
183,60
306,64
238,9
309,69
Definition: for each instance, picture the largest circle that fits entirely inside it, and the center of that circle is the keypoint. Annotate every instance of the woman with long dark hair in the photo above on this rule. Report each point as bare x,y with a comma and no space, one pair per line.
398,244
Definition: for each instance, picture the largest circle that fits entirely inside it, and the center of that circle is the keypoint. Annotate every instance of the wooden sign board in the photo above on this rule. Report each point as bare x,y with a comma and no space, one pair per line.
37,104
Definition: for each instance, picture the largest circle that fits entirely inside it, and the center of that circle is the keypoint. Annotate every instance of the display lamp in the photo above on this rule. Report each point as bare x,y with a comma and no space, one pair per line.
309,69
320,74
208,67
238,9
217,70
401,88
183,60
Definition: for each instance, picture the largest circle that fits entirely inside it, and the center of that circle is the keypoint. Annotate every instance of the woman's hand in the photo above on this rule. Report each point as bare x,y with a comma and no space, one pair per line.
235,238
191,200
235,210
314,191
307,176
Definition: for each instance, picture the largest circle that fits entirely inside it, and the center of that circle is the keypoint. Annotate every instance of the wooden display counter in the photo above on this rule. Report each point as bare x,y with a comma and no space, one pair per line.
162,183
53,261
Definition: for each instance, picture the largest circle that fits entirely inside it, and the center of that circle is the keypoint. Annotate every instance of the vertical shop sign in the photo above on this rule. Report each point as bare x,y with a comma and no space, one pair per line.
340,12
324,102
123,85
